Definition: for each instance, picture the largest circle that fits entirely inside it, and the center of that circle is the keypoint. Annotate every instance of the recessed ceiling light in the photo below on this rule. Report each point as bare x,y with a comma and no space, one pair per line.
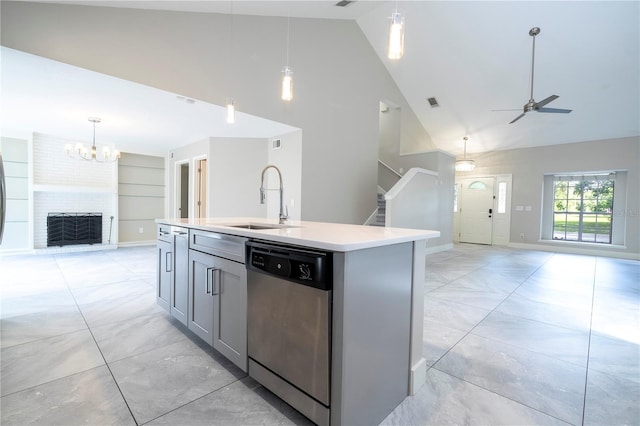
433,102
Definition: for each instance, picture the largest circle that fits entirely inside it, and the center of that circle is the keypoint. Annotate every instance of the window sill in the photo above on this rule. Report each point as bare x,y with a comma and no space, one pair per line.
583,244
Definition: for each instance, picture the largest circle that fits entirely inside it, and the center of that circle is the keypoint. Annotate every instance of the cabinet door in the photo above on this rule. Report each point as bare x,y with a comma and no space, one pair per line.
180,284
230,309
200,310
165,274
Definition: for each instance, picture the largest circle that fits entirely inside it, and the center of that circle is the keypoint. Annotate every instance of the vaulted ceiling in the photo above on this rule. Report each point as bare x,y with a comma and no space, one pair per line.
474,57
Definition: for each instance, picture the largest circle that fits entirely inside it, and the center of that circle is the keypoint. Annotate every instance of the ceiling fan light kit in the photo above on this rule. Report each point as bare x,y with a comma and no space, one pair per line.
532,105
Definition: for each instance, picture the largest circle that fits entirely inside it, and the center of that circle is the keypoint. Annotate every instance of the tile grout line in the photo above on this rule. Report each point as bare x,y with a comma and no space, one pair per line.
469,332
490,311
499,395
98,347
586,375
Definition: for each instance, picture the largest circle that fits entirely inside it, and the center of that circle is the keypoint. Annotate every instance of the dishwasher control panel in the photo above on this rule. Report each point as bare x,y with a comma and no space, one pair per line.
306,267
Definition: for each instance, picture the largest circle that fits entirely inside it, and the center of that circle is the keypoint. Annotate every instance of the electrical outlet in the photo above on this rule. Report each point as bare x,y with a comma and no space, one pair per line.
522,235
141,230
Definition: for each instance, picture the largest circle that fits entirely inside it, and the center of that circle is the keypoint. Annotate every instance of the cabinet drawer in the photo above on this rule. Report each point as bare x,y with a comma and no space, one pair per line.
227,246
164,233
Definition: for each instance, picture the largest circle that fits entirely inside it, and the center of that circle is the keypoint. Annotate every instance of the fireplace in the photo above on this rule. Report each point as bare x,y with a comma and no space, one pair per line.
65,229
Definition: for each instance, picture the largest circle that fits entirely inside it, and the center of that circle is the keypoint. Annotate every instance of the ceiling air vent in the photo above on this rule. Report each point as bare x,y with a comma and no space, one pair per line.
345,3
433,102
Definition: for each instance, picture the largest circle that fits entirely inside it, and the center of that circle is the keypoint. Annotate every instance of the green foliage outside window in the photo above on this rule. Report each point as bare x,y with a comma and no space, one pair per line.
583,210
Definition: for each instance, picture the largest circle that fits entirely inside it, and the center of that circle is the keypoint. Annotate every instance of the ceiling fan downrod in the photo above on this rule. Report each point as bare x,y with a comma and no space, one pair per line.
533,32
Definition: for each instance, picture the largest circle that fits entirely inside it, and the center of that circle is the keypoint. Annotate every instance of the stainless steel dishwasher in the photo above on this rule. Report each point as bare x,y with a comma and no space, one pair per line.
289,324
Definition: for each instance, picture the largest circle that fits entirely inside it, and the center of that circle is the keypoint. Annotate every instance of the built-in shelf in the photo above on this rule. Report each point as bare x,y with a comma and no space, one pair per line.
74,189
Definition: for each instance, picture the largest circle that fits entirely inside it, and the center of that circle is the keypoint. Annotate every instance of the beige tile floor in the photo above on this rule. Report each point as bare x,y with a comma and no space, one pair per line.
510,337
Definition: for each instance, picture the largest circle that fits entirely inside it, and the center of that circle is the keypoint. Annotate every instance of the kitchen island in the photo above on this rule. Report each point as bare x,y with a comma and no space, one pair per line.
375,306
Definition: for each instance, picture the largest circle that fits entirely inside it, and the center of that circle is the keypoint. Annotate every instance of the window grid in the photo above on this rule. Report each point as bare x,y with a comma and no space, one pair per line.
583,210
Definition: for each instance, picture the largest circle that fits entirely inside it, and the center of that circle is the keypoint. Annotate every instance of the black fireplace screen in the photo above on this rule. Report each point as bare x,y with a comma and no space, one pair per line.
65,229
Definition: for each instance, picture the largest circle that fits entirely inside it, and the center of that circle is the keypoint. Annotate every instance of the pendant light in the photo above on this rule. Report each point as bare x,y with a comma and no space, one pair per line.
396,35
91,154
465,165
287,74
231,111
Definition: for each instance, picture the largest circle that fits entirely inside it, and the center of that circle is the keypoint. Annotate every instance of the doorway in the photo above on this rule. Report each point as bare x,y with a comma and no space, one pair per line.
182,189
476,210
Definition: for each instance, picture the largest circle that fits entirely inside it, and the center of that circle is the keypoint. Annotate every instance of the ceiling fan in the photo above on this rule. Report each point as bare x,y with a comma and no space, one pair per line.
532,105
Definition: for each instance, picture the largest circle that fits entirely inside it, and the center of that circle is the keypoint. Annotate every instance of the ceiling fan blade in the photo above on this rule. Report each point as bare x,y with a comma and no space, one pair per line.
512,109
556,110
517,118
546,101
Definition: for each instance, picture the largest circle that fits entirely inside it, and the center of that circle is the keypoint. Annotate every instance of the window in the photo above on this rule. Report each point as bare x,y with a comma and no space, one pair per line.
502,197
455,198
477,185
583,208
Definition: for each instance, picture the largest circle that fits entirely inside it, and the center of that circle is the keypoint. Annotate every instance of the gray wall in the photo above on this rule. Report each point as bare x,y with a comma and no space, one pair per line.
339,81
528,167
140,197
441,163
16,162
234,188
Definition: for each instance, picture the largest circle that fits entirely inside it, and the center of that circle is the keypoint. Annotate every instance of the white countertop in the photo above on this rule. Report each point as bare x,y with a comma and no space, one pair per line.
326,236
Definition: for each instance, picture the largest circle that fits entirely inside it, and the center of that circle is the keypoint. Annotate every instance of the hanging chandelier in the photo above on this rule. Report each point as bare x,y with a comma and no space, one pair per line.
465,165
80,151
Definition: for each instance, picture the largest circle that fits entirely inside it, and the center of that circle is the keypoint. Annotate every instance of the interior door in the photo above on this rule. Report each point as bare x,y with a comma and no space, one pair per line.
476,210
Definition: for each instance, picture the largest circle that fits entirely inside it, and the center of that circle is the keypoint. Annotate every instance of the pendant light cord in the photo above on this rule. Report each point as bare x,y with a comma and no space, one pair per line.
287,39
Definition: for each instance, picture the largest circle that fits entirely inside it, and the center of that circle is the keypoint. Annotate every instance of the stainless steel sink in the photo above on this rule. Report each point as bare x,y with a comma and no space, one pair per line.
257,226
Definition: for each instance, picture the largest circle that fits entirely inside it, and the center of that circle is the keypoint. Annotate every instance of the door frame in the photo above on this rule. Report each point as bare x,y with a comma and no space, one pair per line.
177,185
196,185
501,221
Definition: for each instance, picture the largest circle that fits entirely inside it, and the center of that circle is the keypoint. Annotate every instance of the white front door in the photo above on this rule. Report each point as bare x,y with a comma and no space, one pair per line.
476,210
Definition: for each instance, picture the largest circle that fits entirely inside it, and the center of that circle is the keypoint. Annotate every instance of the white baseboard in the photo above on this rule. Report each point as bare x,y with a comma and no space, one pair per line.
439,248
418,376
578,249
74,248
138,243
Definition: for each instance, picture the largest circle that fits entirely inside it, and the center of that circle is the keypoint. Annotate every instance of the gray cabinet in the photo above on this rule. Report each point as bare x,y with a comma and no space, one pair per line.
180,284
230,311
165,273
201,272
173,277
218,293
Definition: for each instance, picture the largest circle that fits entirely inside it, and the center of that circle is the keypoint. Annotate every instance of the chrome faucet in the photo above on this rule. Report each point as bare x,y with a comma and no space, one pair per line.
283,216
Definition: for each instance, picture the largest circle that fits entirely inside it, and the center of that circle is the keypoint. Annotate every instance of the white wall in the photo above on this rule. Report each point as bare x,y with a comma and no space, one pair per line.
184,154
389,135
234,171
65,185
339,81
441,163
234,177
529,166
413,202
288,158
15,155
